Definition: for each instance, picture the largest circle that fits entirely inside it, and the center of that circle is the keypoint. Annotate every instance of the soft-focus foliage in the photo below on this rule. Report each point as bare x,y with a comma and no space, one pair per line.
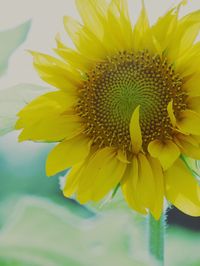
10,40
14,98
40,233
46,234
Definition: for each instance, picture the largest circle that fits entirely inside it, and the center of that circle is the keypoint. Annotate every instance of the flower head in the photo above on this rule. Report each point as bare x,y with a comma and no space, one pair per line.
127,107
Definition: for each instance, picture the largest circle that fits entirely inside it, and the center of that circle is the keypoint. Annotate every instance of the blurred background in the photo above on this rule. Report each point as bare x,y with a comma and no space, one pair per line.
38,226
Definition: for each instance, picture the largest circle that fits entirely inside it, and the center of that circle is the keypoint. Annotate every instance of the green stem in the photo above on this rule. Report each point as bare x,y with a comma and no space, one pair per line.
156,233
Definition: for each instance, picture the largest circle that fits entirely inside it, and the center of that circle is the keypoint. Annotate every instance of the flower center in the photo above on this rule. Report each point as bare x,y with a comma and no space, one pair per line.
117,85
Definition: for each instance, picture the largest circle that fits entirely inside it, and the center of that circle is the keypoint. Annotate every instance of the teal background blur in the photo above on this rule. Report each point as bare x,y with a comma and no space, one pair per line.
38,226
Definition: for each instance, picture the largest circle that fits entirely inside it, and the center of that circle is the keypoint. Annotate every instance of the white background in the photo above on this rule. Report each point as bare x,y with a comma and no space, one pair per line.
47,20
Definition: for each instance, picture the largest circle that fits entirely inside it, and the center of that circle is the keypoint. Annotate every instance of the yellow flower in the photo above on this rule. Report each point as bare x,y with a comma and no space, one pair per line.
127,108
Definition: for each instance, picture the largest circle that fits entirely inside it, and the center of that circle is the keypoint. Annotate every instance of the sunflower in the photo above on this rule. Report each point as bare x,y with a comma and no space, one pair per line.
126,110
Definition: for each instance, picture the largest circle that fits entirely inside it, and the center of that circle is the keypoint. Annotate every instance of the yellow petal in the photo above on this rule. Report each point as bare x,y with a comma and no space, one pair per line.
42,119
118,31
119,9
184,35
188,147
177,36
190,150
60,44
194,140
187,65
129,187
74,58
74,29
142,34
122,156
103,172
135,170
170,111
49,104
194,104
72,179
135,131
189,122
162,30
182,189
166,152
109,177
145,187
53,128
67,153
55,72
193,165
188,29
86,42
92,14
159,186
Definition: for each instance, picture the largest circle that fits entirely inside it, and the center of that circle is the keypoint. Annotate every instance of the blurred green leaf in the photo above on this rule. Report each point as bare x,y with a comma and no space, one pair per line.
12,100
10,40
42,233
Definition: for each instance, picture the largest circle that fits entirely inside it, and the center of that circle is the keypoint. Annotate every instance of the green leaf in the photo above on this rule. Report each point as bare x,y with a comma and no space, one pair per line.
12,100
10,40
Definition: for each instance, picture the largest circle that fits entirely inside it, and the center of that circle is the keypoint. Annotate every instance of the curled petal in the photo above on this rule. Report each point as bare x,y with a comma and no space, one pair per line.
166,152
170,111
135,131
